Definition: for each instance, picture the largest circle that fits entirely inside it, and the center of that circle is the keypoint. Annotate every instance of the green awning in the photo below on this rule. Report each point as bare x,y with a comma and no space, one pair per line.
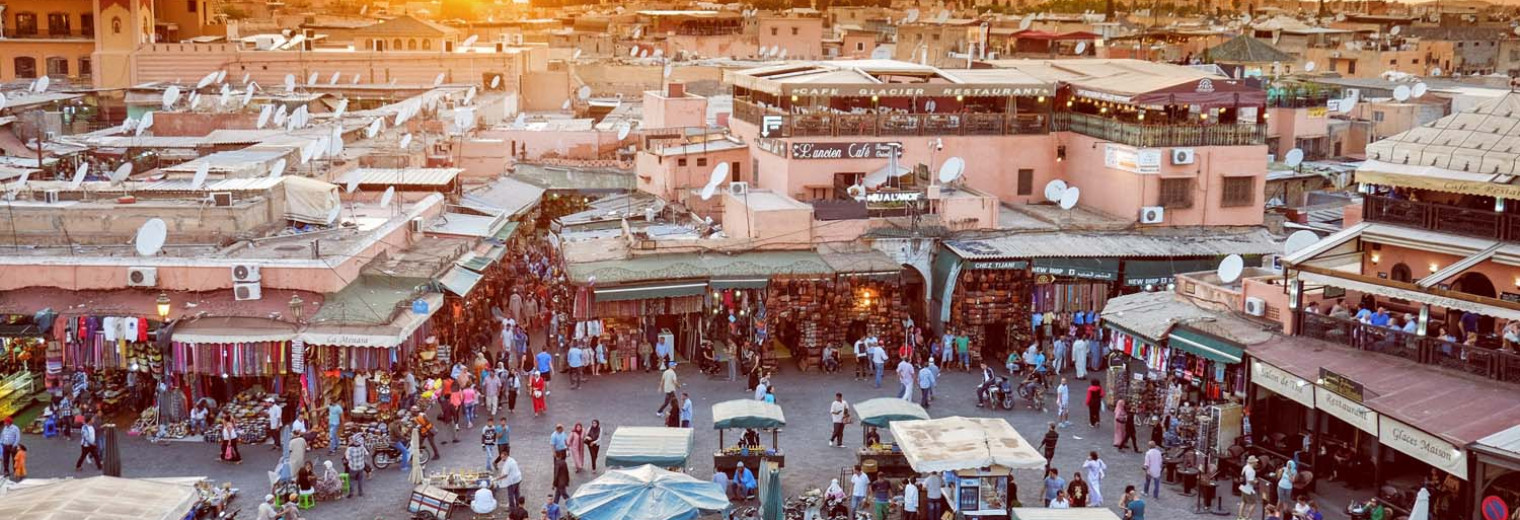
1139,273
506,232
479,262
747,413
883,411
1091,268
1205,345
496,253
459,280
649,291
739,283
633,446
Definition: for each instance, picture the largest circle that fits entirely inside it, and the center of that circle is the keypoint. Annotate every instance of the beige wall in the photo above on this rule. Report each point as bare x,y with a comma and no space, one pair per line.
106,223
545,91
1289,124
801,37
168,62
791,225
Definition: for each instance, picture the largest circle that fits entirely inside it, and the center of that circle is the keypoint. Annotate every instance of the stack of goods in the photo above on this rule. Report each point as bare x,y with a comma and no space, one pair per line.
147,423
247,413
984,297
375,433
114,391
800,302
874,302
431,361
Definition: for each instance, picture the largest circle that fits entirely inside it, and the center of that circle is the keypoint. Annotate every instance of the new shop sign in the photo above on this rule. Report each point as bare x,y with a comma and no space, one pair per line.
1353,413
843,150
1130,159
1282,383
1425,447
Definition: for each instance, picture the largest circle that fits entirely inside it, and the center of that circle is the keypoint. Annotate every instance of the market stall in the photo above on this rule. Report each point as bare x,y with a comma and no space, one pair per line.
633,446
752,416
981,454
879,413
646,493
100,498
1080,513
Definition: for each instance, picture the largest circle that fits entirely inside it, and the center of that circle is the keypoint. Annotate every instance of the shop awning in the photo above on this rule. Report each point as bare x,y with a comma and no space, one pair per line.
1435,178
747,413
99,498
391,335
1091,268
883,411
645,292
479,262
459,280
633,446
505,233
1205,345
233,329
1045,513
738,283
1139,273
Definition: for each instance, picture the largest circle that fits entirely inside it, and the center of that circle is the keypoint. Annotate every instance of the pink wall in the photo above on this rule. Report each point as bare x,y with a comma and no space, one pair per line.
663,111
169,61
585,144
807,43
1122,193
709,46
792,224
1289,124
663,176
483,158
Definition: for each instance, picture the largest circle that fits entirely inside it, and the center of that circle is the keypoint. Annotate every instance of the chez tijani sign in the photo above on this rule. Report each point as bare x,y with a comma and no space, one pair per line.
843,150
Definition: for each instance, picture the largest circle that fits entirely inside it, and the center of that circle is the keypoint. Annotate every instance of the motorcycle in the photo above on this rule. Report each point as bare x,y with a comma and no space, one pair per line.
1000,395
1033,394
386,455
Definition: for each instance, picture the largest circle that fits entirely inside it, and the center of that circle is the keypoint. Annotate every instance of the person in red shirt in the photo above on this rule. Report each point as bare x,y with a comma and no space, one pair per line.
1094,402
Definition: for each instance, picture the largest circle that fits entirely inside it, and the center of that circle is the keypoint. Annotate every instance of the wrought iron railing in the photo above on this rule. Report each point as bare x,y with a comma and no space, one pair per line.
1471,359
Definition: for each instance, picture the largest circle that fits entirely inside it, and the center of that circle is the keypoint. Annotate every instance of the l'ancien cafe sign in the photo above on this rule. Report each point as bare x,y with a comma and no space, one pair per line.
1423,446
899,90
843,150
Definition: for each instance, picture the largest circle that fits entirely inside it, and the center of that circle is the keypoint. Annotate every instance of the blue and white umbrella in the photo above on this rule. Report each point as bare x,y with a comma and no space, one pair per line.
646,493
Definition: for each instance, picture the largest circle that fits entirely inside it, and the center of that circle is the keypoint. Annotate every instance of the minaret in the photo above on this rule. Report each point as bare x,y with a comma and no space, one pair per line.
121,27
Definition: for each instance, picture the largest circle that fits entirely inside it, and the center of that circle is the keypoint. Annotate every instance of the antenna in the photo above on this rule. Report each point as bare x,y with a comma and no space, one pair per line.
1081,48
79,174
1069,197
353,182
145,123
337,75
342,107
150,237
464,45
406,140
1309,67
584,92
1401,93
171,95
438,80
1418,90
1230,268
390,193
951,170
264,114
719,174
622,132
290,82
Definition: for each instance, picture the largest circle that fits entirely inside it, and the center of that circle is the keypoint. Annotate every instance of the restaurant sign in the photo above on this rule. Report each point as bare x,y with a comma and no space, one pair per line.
1423,446
843,150
1341,384
1353,413
1131,159
900,90
1282,383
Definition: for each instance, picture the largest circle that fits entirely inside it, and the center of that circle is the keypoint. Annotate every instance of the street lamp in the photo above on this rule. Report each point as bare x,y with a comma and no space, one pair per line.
163,306
295,306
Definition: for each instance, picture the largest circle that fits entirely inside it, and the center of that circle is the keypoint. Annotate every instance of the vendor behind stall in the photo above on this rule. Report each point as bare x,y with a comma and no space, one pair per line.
750,439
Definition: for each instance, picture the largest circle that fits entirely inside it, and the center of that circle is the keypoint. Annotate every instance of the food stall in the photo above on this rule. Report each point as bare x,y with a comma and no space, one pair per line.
747,414
880,413
1080,513
981,454
634,446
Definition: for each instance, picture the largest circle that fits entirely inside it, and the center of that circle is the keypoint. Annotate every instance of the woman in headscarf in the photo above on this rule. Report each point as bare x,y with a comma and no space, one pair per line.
1121,416
329,487
539,392
577,446
1095,468
835,492
593,441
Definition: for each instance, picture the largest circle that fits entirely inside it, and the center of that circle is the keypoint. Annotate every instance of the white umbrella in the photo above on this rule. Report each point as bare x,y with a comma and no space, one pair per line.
1421,508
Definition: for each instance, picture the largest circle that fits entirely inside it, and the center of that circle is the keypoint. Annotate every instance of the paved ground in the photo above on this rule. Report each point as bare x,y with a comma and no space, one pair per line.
630,399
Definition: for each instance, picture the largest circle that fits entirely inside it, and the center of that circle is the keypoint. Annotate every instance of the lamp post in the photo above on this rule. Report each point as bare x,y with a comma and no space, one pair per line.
296,307
164,305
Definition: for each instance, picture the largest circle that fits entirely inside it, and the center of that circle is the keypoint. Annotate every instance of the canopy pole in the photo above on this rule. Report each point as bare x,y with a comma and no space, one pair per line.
775,442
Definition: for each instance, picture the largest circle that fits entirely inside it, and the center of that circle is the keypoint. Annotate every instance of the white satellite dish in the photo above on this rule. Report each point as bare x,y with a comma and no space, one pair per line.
312,79
659,52
342,107
335,144
951,170
643,53
144,124
1081,48
521,118
151,236
469,95
622,132
633,52
122,173
247,97
1298,241
223,98
277,169
438,80
353,182
3,102
1396,30
43,83
21,181
1054,189
783,54
1230,268
201,171
668,68
195,100
79,174
355,80
332,215
1309,67
719,174
390,193
373,129
337,75
576,55
912,15
306,152
881,53
584,92
406,140
1418,90
221,76
944,15
264,114
468,42
1294,158
1069,197
171,95
290,82
565,105
363,8
1025,23
1348,104
324,144
206,80
495,81
1401,93
1435,72
246,77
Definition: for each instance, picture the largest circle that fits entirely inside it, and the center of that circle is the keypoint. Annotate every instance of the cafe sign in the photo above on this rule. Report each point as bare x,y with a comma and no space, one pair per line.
1130,159
1352,412
1282,383
1341,384
843,150
1423,446
774,146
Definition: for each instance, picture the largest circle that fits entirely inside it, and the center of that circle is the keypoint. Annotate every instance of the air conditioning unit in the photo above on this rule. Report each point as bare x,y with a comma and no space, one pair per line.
1182,156
247,291
738,189
245,273
1152,215
418,225
221,199
1256,306
142,277
51,196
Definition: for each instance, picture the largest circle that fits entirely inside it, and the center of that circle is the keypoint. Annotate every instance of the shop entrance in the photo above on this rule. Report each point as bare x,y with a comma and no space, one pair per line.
996,347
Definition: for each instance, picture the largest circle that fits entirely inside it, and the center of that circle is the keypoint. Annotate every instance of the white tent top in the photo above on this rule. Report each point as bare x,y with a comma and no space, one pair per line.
100,498
1080,513
957,443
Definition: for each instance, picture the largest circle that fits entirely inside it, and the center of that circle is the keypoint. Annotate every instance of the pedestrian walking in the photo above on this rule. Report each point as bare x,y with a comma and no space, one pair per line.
594,442
334,424
229,449
426,430
862,358
881,496
540,394
449,414
1121,418
1077,490
509,476
356,463
1048,445
668,385
910,499
839,414
1054,485
1094,402
559,441
878,360
544,363
511,386
926,381
561,479
576,358
1095,469
936,496
686,409
963,350
1153,471
1249,498
273,412
503,440
905,377
488,443
468,399
10,442
89,445
1079,357
1134,504
859,485
490,387
1063,404
577,446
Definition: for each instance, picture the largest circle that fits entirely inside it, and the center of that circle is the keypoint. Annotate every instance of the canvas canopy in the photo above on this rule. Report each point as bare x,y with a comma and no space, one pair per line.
747,413
1080,513
633,446
883,411
957,443
100,498
646,493
309,200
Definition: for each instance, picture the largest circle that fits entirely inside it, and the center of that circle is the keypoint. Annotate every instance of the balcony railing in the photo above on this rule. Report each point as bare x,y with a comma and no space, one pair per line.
1477,223
1161,135
892,124
1475,360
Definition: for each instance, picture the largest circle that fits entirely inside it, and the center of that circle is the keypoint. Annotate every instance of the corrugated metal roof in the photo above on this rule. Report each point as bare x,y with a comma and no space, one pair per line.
1150,315
1507,440
692,266
1167,242
464,224
511,196
459,280
403,176
242,184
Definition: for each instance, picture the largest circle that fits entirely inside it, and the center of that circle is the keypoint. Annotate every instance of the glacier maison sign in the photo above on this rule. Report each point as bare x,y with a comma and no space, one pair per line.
843,150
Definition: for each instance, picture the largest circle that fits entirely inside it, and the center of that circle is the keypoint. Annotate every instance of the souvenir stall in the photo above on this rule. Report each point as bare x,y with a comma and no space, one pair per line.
1070,292
638,313
872,305
23,349
1207,366
119,353
751,416
737,310
881,457
796,314
465,325
239,361
979,457
986,307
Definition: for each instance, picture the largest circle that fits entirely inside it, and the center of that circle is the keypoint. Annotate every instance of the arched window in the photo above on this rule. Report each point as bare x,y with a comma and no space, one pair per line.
26,67
26,24
396,44
116,25
411,44
427,44
1401,273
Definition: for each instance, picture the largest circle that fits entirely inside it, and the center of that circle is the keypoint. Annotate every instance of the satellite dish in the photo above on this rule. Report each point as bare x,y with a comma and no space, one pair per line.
324,144
201,170
1230,268
122,173
171,95
1025,23
719,174
355,81
1069,197
668,68
1298,241
576,55
206,80
495,81
43,83
1309,67
1348,104
584,92
1054,189
783,54
856,191
633,52
79,174
468,42
622,132
263,115
521,117
144,124
363,8
1294,158
659,52
3,102
332,215
221,76
1418,90
373,129
335,145
912,15
1395,30
290,82
247,97
1081,48
21,182
151,236
1435,72
469,95
944,15
246,76
195,100
406,140
881,53
337,75
565,106
306,152
1401,92
277,169
1340,17
643,53
342,107
390,193
438,80
951,170
353,182
224,97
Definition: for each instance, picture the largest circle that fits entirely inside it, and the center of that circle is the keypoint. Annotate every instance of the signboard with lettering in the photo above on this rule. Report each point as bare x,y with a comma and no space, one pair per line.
1344,409
893,196
1016,265
1318,112
843,150
1340,384
1425,447
774,146
901,90
1510,297
1282,383
1131,159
